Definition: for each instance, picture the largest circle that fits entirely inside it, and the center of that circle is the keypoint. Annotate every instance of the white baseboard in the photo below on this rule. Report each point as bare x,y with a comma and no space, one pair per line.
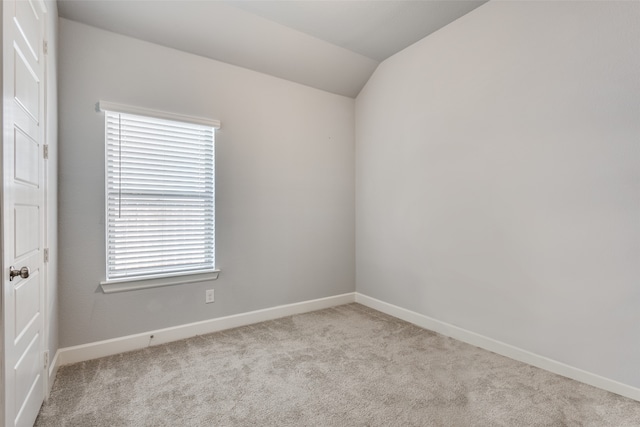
98,349
65,356
499,347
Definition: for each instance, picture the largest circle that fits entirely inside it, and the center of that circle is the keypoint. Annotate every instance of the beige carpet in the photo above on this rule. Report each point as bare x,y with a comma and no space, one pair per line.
345,366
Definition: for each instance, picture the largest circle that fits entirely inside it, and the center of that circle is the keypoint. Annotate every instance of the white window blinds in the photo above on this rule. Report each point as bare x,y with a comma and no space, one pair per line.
159,197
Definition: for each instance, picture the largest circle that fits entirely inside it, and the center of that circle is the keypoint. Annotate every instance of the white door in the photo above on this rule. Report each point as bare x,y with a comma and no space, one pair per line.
23,210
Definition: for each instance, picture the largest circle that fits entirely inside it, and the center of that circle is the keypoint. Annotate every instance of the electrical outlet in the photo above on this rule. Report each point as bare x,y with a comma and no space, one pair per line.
209,296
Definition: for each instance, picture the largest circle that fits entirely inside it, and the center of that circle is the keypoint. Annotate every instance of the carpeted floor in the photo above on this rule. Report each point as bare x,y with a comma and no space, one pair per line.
344,366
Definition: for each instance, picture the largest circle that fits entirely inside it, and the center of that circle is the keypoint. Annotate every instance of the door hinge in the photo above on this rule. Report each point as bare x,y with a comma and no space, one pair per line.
45,47
46,359
45,151
46,255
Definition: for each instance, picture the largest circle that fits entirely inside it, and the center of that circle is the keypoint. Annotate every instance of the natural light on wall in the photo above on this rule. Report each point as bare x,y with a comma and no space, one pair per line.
160,196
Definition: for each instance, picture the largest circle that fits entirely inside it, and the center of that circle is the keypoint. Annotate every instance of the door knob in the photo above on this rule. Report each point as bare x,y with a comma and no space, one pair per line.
23,272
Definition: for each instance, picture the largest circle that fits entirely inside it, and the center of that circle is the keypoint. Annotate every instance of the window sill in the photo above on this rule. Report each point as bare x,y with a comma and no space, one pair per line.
125,285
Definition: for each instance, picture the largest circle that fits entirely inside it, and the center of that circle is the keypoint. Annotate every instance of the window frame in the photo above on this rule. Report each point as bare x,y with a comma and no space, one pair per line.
162,279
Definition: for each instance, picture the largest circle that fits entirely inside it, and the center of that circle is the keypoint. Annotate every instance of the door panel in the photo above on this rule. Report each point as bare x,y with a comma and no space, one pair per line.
27,85
28,375
28,24
26,237
27,304
26,155
27,369
23,210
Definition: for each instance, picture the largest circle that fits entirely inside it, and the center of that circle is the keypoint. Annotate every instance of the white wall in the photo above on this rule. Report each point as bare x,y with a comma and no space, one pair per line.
498,180
284,190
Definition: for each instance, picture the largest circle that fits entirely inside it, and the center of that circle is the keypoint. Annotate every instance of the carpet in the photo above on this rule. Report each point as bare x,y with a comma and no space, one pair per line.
343,366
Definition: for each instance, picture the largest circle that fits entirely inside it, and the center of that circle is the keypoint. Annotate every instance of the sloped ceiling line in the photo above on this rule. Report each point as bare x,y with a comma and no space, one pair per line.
330,45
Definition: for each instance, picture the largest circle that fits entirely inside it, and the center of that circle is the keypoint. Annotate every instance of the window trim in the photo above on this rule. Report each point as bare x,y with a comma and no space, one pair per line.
157,280
103,106
134,284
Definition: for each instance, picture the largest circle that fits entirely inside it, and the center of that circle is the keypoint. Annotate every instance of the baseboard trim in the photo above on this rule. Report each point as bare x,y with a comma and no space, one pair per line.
84,352
109,347
499,347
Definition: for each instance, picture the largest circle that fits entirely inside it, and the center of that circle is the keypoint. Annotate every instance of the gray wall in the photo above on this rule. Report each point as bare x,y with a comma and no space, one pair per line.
498,180
284,189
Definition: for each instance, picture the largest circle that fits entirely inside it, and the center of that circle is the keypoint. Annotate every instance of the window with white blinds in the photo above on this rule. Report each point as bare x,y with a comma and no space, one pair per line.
160,201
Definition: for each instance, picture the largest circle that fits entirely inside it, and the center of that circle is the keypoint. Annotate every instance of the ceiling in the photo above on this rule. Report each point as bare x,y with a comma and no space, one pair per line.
333,45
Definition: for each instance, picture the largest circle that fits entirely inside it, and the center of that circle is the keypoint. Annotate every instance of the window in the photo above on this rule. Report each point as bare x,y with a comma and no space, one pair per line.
160,195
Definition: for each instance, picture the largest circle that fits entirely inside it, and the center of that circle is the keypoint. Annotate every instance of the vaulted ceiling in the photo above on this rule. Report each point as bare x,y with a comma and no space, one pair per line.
333,45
